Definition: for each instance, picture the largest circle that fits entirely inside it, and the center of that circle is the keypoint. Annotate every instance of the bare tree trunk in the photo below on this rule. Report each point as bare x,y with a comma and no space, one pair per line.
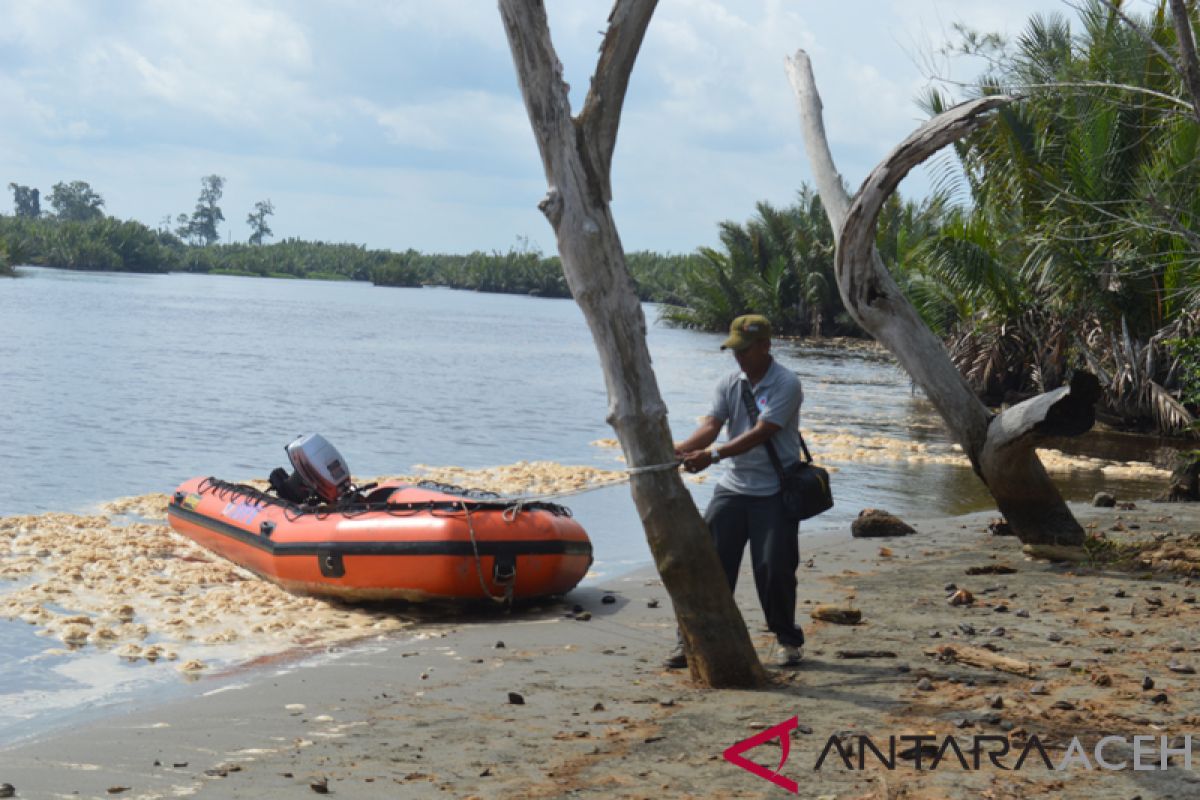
1001,448
1188,64
577,156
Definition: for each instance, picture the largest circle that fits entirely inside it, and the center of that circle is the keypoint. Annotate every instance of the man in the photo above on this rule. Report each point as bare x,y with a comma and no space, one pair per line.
747,505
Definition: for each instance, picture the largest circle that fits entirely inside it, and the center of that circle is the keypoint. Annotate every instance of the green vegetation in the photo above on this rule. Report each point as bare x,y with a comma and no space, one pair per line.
107,244
257,220
72,202
1081,243
780,264
522,271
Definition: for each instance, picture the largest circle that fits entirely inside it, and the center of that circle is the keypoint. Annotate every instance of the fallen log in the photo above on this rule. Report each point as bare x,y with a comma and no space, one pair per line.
839,615
978,657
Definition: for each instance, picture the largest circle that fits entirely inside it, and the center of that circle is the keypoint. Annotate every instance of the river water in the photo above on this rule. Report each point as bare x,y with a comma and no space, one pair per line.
119,384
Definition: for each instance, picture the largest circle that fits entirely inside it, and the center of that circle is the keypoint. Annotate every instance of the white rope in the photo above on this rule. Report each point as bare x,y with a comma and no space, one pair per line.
516,503
654,468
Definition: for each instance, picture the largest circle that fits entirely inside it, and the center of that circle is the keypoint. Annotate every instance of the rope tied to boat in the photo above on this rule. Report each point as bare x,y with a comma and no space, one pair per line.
669,465
507,598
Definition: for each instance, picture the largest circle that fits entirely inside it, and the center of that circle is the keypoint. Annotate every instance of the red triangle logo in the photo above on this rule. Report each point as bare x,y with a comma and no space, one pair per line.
781,731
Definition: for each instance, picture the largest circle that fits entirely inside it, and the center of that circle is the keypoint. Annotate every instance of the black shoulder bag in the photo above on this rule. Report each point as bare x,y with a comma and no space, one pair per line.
805,486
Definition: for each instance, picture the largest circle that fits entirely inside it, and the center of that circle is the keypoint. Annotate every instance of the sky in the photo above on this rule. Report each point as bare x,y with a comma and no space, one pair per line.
399,123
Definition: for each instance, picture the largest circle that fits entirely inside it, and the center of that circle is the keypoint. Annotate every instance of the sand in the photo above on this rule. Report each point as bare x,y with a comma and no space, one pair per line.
397,714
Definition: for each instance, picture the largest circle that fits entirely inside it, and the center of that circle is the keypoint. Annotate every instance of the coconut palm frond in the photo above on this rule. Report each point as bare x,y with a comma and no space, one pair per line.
1170,415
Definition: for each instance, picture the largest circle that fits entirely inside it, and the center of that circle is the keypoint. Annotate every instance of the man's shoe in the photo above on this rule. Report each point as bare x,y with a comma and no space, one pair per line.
677,659
789,655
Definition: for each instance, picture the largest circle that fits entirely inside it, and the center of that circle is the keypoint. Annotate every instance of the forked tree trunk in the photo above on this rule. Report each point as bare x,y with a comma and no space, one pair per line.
1001,447
577,154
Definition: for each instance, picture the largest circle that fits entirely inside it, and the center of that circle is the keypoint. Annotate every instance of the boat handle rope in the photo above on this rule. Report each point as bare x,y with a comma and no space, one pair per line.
505,599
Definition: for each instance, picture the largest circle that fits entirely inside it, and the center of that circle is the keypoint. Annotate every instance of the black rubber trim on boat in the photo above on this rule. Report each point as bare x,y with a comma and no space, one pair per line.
516,547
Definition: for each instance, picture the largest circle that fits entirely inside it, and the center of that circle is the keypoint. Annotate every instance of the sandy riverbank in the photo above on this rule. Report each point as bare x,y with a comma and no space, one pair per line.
401,717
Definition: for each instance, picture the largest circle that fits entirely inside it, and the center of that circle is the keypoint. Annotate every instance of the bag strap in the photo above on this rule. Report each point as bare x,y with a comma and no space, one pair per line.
752,412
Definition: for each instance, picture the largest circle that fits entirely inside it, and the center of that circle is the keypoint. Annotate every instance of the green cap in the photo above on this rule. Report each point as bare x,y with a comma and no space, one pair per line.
746,330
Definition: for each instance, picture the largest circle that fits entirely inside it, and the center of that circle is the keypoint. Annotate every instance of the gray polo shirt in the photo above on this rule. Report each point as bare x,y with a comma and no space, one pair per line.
778,396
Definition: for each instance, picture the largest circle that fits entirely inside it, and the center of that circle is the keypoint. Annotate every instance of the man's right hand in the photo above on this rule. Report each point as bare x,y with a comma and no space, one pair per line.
697,460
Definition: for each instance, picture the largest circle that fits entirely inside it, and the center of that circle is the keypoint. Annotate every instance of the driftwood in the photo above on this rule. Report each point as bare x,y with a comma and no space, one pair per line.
979,657
838,615
865,654
1001,447
577,155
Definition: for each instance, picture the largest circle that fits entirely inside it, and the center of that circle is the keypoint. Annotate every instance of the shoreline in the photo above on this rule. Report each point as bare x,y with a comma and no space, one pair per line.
403,717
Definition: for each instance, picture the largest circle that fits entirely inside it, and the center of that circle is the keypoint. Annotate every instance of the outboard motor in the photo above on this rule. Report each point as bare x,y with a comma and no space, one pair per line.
320,470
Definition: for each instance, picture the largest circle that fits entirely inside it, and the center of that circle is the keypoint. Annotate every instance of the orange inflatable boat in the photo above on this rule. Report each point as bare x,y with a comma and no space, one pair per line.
396,541
421,542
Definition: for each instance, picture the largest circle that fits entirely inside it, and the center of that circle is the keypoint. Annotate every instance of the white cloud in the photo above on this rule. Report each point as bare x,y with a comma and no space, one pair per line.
399,123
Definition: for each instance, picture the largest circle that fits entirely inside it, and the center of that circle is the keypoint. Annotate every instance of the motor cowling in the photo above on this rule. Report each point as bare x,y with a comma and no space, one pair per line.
320,466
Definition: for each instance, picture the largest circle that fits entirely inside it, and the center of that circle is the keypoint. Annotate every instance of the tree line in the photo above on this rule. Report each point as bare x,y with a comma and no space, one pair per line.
77,234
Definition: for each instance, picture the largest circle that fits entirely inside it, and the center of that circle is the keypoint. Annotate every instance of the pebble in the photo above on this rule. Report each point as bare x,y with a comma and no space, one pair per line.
1063,664
996,701
1000,608
1023,614
498,645
962,598
925,685
1147,683
1182,669
320,785
576,609
1039,689
651,604
608,600
515,699
1120,593
1063,705
997,632
967,628
7,790
1159,698
1054,636
598,707
584,617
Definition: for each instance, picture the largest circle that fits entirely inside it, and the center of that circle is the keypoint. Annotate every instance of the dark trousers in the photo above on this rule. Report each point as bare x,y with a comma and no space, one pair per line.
733,519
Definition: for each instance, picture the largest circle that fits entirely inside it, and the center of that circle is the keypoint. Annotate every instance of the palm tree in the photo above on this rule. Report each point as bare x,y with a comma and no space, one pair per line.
1083,217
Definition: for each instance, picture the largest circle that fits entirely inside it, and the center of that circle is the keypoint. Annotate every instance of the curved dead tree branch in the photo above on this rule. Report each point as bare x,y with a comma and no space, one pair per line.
1001,448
